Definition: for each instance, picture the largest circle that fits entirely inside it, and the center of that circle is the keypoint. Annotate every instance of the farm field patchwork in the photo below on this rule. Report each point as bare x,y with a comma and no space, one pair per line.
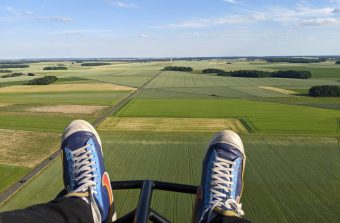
196,85
292,162
40,113
277,182
263,116
183,79
131,78
318,71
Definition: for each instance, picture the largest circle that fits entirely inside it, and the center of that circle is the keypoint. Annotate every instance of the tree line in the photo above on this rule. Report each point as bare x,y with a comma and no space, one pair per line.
55,68
5,66
5,71
337,62
261,74
294,60
325,91
95,64
178,68
43,80
16,75
12,75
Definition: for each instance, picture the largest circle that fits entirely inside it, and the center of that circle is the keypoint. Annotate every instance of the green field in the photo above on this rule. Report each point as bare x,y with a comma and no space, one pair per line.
292,171
318,71
82,98
196,85
10,174
24,121
291,194
265,117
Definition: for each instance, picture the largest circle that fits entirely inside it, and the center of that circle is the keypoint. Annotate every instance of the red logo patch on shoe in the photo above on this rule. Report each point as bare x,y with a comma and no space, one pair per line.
107,184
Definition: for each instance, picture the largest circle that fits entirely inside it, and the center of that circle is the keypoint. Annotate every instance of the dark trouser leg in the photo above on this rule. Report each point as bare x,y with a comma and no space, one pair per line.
224,219
60,210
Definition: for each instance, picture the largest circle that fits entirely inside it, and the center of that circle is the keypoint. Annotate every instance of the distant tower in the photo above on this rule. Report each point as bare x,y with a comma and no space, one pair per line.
171,60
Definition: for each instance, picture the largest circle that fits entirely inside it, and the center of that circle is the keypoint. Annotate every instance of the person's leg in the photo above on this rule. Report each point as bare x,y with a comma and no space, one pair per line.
218,197
89,196
60,210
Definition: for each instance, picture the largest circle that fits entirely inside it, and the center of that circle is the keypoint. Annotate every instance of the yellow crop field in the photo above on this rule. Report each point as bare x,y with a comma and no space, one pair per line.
65,88
171,124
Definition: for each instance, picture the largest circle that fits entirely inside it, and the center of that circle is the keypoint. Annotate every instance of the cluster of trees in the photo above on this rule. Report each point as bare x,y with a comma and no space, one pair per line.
325,91
30,74
95,64
43,80
5,71
259,74
178,68
5,66
294,60
55,68
246,73
301,74
213,71
12,75
337,62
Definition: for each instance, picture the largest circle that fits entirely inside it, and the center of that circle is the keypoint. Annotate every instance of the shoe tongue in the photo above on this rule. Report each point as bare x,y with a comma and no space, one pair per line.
227,151
77,140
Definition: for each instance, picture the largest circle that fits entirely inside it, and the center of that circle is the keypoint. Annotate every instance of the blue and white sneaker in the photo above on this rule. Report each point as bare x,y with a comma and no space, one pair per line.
222,177
84,171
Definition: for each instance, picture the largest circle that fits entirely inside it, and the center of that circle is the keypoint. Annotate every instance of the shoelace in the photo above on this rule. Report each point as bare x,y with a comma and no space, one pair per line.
221,186
83,169
221,181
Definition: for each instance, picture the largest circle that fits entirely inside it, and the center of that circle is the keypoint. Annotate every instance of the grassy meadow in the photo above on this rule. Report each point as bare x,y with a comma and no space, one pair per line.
292,171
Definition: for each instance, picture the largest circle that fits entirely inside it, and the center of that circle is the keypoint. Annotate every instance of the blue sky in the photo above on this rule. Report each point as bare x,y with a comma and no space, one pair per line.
157,28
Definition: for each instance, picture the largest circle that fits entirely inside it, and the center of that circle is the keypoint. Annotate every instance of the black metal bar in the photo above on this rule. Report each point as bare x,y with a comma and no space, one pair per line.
182,188
135,184
122,185
128,218
157,218
143,208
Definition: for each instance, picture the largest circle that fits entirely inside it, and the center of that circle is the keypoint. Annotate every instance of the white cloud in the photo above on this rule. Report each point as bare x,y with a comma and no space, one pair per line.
143,35
231,1
81,31
213,21
299,15
320,21
122,4
55,18
16,12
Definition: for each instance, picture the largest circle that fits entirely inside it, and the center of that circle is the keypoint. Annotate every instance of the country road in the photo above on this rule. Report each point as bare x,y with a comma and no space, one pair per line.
114,109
